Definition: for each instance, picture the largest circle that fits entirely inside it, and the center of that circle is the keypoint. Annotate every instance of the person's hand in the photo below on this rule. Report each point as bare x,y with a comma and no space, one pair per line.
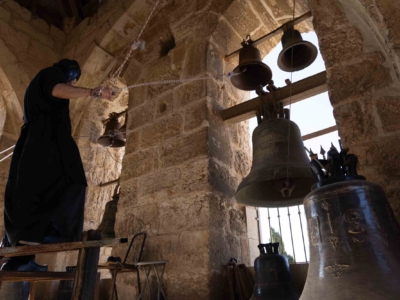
104,93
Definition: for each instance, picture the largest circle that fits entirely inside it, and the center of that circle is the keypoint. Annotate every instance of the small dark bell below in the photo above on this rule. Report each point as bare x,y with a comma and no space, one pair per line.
302,53
253,72
114,135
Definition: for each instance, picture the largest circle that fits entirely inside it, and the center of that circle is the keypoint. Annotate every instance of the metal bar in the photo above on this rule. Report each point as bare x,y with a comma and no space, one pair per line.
291,234
259,225
302,234
280,229
117,115
297,91
270,230
273,33
109,183
319,133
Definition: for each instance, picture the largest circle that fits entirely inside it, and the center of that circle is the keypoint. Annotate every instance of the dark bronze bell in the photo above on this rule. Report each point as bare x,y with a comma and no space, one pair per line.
253,72
114,134
273,279
108,222
354,236
304,53
278,177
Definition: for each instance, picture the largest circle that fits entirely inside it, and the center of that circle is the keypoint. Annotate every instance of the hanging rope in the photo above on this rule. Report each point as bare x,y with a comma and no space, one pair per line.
135,45
4,158
7,149
290,97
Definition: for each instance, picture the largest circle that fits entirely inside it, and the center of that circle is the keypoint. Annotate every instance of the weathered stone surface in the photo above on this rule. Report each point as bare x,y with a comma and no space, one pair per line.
178,56
137,219
40,25
128,194
131,73
220,143
242,162
242,18
193,214
164,105
18,10
126,27
384,150
389,110
132,142
190,92
142,115
343,44
195,176
221,179
191,284
215,62
113,42
284,9
225,37
138,164
15,40
33,33
195,115
185,148
161,130
252,223
161,70
358,79
137,96
355,121
159,186
5,14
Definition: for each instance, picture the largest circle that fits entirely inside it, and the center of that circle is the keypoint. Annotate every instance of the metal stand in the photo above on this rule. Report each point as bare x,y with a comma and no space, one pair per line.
147,270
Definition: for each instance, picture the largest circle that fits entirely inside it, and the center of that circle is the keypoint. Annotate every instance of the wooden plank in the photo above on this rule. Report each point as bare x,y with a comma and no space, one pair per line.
14,276
79,270
272,34
48,248
299,91
32,291
319,133
89,277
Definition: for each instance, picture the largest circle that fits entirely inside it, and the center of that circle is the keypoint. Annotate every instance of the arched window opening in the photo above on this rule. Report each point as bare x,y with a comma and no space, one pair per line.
288,225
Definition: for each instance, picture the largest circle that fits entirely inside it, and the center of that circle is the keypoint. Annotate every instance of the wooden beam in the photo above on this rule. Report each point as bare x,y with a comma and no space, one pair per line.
47,248
14,276
272,33
299,91
319,133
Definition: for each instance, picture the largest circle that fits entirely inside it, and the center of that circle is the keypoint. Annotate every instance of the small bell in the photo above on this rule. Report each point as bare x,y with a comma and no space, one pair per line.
253,73
114,134
273,279
296,53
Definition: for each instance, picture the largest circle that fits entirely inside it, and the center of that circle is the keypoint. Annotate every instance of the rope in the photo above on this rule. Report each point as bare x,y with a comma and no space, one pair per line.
290,97
7,149
171,81
135,45
4,158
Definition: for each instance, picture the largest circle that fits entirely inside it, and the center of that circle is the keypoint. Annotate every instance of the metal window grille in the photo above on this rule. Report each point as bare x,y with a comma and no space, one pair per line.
286,225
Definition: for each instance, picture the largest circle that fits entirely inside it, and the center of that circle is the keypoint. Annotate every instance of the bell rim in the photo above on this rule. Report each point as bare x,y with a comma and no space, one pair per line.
255,62
314,55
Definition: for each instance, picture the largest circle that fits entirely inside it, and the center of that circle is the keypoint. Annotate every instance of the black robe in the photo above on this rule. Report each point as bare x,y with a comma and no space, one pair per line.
45,192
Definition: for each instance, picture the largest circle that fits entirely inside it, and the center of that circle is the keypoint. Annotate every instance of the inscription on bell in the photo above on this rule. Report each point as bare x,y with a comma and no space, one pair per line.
354,220
315,232
336,269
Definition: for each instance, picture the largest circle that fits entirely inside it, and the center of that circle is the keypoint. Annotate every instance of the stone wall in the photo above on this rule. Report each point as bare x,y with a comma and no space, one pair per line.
359,41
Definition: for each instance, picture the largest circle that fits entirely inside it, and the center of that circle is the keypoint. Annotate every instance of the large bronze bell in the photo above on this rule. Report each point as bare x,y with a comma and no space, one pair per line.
304,53
114,134
253,72
273,279
278,177
354,236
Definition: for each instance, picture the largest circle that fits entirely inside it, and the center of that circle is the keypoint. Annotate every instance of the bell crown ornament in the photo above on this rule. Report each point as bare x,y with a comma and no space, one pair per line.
252,72
296,54
114,133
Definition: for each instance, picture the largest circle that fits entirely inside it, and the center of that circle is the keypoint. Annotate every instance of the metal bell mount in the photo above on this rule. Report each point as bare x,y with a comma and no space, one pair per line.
273,279
354,236
296,53
253,72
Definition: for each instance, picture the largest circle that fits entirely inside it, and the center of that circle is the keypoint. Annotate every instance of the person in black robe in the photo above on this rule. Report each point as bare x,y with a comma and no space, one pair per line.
45,193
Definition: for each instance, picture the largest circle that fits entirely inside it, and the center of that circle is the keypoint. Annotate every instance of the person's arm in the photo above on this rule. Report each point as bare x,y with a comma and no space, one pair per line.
66,91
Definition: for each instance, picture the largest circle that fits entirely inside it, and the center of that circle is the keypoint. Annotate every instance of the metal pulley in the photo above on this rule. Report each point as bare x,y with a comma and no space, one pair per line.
114,133
354,236
296,53
280,175
253,73
273,279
